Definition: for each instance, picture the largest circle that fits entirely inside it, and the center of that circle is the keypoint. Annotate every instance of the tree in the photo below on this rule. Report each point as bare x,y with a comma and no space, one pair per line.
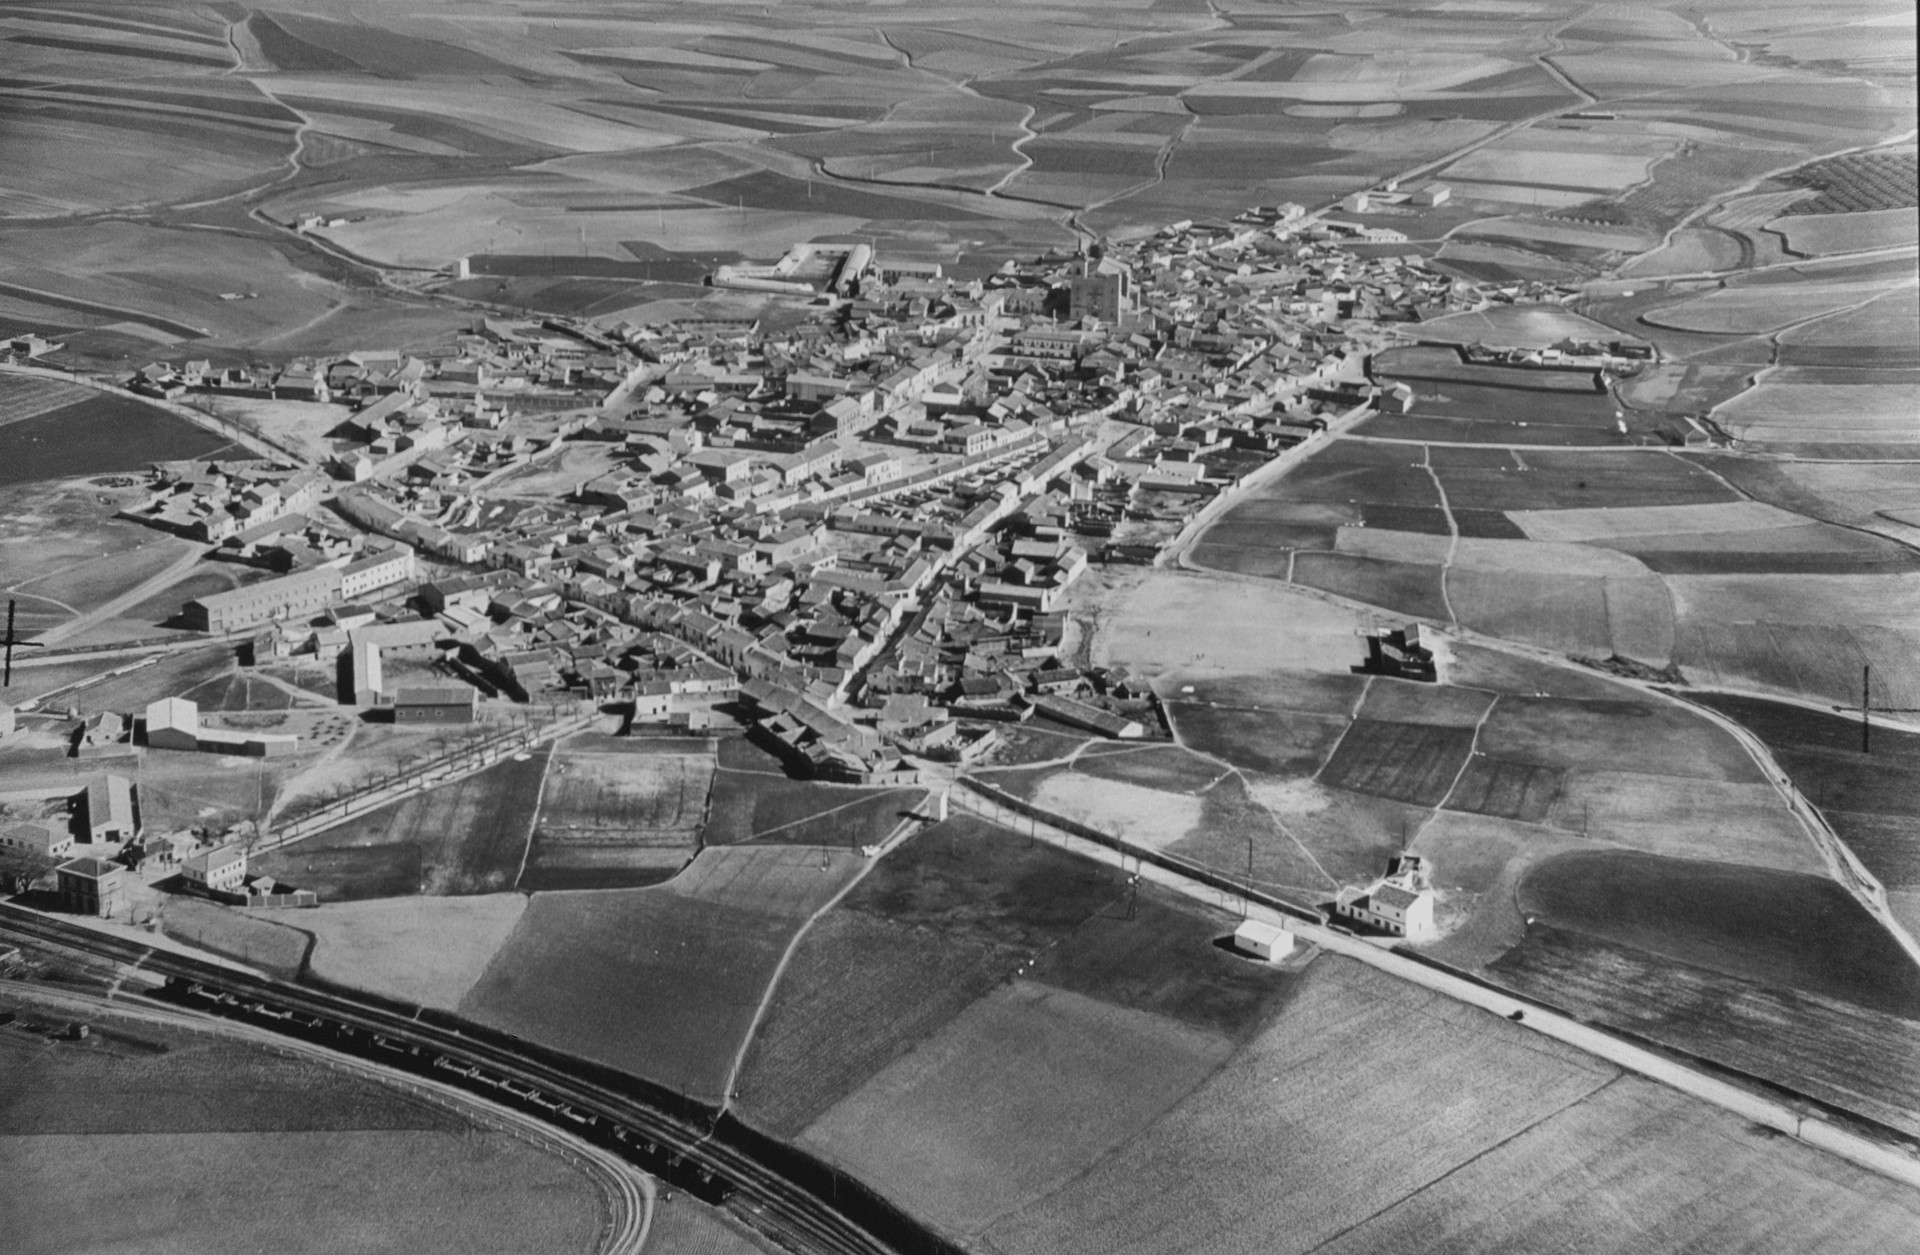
20,868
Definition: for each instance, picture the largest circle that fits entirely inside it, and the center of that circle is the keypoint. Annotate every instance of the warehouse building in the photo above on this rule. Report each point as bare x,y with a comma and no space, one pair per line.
110,809
443,704
298,596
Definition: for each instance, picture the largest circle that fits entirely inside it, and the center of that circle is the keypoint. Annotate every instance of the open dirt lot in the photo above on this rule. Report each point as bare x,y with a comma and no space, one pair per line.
1176,623
1151,817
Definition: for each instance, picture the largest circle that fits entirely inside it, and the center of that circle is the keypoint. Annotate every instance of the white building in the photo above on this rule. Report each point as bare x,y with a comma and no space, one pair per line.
1263,941
368,684
380,570
1399,904
44,839
173,723
222,869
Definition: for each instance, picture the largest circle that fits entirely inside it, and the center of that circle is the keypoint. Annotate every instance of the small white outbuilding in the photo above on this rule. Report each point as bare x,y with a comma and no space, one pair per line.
1263,941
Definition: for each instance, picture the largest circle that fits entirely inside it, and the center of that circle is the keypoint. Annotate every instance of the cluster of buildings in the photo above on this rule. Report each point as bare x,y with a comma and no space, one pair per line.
98,843
858,528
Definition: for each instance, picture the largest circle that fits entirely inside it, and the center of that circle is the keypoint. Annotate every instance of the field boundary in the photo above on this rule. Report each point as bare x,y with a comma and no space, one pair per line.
1215,889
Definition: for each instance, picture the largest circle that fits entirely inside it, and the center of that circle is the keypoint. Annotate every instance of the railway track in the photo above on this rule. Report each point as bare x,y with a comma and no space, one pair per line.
792,1199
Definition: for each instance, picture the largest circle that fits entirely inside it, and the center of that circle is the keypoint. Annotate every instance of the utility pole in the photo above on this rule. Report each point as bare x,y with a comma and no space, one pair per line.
1866,679
1246,899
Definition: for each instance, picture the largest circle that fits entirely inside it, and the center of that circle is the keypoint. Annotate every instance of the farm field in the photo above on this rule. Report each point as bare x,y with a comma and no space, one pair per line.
1851,1056
1011,1100
937,923
88,1186
1280,742
1698,1177
1010,1041
786,881
101,434
1826,234
275,947
1802,635
1794,931
1758,308
1867,496
1407,762
1871,799
686,1226
643,980
616,814
423,950
467,837
105,1138
1560,1128
1323,1052
754,800
1788,414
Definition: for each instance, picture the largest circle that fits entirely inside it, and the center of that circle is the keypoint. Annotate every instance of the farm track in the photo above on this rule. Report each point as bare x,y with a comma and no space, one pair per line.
801,1203
901,832
1453,544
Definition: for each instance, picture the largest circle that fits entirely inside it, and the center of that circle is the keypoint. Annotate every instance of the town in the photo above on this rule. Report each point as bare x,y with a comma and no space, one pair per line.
862,527
854,534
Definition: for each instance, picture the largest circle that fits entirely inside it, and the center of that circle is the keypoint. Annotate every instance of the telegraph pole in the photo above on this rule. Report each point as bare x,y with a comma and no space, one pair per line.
1866,677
